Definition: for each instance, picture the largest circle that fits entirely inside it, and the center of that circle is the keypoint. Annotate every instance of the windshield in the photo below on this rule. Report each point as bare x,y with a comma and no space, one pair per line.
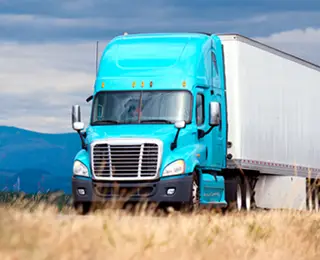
132,107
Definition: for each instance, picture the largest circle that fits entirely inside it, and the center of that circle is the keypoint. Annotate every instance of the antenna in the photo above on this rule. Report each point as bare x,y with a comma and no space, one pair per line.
97,50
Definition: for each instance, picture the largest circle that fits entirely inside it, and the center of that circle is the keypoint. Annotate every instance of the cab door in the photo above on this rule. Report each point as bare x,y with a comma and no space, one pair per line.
218,133
202,125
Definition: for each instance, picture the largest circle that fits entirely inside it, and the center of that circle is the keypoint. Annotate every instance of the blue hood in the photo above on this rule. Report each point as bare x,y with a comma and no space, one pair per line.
162,132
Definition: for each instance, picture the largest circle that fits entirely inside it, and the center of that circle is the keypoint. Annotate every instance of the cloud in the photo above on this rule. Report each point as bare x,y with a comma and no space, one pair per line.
131,9
75,20
303,43
48,48
308,35
40,83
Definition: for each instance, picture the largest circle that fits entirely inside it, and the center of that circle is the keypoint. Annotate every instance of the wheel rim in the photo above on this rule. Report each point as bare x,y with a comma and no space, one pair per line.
248,197
316,200
195,197
310,206
239,198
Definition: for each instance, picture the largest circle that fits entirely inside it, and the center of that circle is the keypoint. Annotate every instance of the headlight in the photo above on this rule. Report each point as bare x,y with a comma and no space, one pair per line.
175,168
80,169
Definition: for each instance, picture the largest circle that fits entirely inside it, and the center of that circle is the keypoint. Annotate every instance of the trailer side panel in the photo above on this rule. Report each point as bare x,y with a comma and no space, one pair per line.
272,103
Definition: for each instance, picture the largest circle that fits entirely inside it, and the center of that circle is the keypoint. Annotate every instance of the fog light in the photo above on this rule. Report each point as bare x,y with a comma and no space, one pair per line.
171,191
82,191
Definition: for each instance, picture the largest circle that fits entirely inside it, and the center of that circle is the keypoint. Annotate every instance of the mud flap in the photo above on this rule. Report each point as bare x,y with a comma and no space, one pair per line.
212,189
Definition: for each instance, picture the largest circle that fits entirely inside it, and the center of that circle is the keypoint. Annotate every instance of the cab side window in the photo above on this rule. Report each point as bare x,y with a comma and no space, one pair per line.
200,109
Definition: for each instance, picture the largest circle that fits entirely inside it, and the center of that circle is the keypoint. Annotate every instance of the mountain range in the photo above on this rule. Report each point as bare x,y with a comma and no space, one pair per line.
31,162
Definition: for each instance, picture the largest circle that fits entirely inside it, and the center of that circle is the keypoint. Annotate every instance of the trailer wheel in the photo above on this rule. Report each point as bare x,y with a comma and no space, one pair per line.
309,197
316,199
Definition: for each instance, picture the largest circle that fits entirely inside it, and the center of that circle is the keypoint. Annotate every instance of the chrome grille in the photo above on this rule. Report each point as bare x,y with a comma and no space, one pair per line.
125,161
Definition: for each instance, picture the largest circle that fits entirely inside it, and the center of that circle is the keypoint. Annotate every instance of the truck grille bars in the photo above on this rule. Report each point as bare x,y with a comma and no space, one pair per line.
125,161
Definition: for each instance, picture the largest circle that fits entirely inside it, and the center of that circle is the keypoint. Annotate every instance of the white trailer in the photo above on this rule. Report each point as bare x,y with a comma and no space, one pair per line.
272,109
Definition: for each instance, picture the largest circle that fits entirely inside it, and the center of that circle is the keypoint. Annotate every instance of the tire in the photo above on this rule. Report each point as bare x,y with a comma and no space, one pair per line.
82,208
194,198
317,199
310,198
234,194
195,192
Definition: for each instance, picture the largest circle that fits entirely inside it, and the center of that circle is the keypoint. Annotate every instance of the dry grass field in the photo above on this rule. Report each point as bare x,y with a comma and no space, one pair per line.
46,233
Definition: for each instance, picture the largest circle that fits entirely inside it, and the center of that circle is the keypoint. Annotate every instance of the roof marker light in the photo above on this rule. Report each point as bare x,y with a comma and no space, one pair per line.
133,84
102,84
142,84
151,83
184,83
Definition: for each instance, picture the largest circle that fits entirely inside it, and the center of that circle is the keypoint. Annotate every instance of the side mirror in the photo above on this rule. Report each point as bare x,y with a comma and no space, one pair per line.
89,98
215,114
180,124
77,125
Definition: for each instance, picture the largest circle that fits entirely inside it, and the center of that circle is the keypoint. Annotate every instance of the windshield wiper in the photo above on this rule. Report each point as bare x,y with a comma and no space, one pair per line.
156,121
102,122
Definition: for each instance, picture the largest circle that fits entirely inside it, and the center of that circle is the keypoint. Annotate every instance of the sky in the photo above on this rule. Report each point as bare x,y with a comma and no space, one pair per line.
47,48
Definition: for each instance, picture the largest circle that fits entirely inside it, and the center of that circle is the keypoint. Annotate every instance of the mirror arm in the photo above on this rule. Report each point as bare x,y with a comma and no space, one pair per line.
202,133
174,143
83,142
210,129
89,98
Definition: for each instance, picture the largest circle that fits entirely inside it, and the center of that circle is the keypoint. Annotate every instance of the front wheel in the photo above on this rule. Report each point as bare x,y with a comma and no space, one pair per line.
195,192
194,197
82,208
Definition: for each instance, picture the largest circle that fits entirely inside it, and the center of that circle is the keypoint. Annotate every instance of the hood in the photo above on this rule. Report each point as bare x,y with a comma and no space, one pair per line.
187,148
162,132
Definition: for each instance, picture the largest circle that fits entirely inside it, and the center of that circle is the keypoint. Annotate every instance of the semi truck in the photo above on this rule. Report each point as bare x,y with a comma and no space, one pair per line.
200,119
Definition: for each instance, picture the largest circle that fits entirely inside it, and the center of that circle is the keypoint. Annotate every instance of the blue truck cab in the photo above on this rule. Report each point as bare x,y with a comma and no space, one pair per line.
158,123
